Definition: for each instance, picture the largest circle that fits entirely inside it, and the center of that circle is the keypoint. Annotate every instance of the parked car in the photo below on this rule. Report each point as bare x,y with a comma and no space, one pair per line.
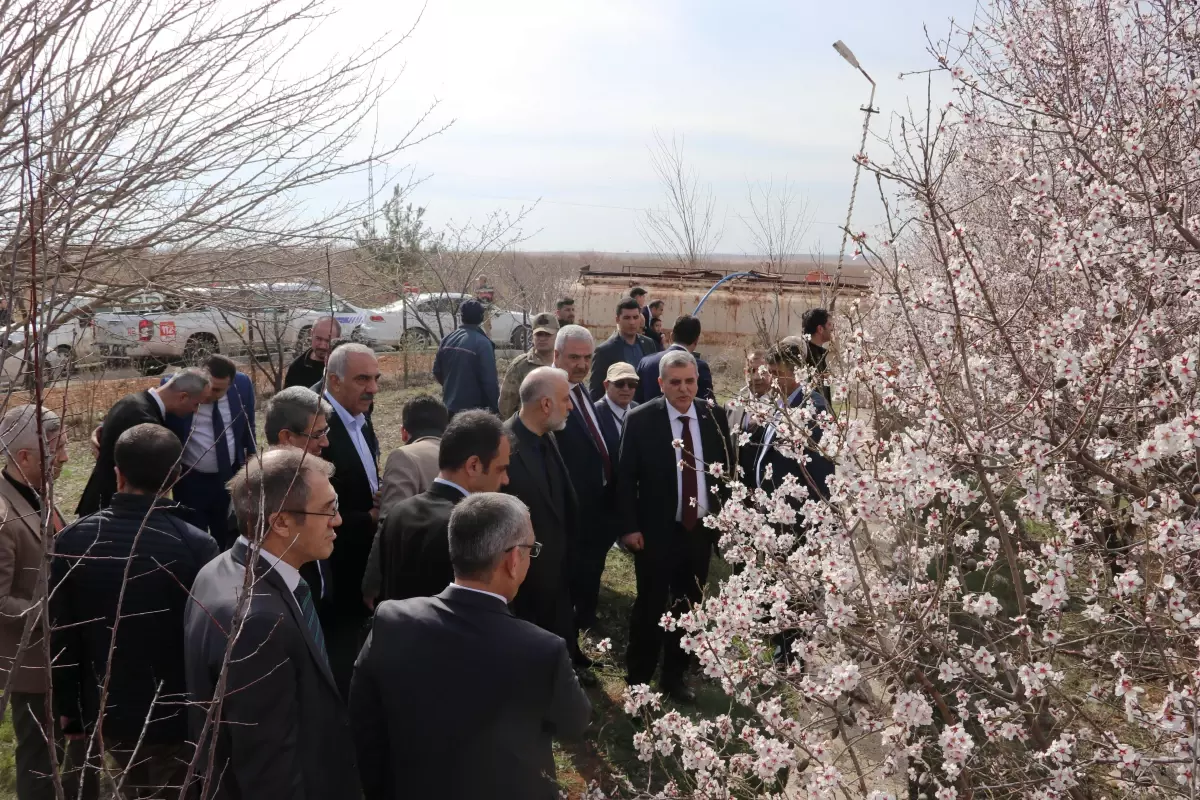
154,329
64,324
423,319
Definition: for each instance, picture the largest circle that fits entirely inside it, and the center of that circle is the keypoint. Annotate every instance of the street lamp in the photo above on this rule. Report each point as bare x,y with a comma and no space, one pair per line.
844,52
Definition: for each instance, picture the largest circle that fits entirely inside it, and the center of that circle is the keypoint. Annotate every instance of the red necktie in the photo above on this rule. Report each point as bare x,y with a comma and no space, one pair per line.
691,491
596,437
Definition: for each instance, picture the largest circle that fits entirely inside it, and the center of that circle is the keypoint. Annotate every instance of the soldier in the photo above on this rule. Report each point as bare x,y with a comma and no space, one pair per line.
545,328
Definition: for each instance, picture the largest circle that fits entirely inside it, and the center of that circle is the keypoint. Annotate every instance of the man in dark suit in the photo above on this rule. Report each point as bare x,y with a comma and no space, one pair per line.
455,698
685,335
280,729
742,421
783,360
619,388
216,441
352,381
129,568
590,463
413,549
181,396
626,344
663,498
538,476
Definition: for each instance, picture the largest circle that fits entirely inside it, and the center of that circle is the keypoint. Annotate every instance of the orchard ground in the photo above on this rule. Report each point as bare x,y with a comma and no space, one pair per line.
608,748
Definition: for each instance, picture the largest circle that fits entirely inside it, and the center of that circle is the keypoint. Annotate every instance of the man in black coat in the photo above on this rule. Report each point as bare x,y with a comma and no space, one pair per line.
619,388
626,344
685,336
590,462
453,697
180,396
352,381
663,498
147,693
308,368
538,476
783,361
414,548
281,728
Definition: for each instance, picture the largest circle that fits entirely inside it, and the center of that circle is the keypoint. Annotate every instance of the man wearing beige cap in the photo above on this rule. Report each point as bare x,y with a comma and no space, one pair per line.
545,327
620,385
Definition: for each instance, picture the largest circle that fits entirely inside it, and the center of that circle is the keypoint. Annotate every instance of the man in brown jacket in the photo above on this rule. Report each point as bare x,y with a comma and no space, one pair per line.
31,465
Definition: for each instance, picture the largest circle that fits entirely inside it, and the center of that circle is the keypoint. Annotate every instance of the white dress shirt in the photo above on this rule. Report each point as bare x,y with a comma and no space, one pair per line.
162,407
499,597
200,453
354,426
697,453
618,412
290,575
465,493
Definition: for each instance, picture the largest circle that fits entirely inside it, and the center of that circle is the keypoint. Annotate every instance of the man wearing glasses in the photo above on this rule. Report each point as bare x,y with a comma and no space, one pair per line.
280,728
454,697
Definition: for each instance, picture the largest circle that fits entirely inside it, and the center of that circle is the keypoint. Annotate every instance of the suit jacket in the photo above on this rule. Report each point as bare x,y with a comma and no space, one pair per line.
648,494
283,729
132,409
610,428
554,511
585,466
429,722
355,499
609,353
409,470
22,589
647,371
814,474
414,544
241,410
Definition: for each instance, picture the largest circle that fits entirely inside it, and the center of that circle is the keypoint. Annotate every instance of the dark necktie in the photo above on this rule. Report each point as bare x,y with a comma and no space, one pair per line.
691,494
597,439
308,610
224,462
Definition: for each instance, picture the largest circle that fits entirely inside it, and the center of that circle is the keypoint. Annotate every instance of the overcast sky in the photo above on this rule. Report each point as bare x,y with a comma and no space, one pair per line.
559,100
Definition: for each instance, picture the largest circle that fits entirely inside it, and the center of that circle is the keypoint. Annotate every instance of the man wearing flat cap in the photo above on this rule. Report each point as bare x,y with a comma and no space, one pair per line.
545,328
620,385
465,364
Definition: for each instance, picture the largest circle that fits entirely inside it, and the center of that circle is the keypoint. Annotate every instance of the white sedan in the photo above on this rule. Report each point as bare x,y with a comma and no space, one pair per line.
421,320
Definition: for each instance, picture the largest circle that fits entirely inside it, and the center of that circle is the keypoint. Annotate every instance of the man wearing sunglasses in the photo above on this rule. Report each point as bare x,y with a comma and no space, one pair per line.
453,696
620,386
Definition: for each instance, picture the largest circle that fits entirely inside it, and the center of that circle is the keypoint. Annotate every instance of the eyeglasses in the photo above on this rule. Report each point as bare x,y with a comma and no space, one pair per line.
333,513
315,434
535,549
625,384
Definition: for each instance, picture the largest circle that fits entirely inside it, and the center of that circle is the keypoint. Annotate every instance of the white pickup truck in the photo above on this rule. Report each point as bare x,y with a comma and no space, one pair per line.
154,329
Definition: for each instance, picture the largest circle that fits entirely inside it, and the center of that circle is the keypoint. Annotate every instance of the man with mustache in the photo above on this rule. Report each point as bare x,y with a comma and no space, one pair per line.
351,383
308,368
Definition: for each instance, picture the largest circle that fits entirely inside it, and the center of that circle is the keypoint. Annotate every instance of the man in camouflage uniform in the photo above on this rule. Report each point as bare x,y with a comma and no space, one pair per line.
545,328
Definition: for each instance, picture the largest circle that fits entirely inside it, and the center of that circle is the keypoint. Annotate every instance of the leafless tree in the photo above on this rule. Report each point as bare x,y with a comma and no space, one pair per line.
685,231
778,222
135,135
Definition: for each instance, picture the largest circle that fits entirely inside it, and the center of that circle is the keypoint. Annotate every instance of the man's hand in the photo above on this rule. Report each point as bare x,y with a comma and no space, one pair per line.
633,541
374,515
369,602
95,442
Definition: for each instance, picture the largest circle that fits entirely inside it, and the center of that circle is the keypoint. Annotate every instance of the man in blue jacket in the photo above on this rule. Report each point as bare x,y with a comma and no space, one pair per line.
216,441
465,364
686,335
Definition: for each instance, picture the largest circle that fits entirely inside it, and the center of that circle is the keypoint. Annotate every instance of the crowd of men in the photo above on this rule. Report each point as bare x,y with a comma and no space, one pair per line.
292,621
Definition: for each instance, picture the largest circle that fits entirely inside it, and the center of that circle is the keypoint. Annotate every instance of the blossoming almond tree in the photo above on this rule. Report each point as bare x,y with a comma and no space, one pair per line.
1002,597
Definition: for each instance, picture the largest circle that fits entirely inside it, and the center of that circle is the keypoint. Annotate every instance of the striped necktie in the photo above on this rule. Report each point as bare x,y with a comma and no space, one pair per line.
304,599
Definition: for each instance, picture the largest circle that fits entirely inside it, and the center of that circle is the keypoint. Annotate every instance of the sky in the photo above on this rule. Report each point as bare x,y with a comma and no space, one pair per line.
558,101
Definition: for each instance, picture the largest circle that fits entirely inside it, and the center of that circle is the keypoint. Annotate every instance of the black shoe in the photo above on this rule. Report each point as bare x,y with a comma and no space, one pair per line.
681,693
